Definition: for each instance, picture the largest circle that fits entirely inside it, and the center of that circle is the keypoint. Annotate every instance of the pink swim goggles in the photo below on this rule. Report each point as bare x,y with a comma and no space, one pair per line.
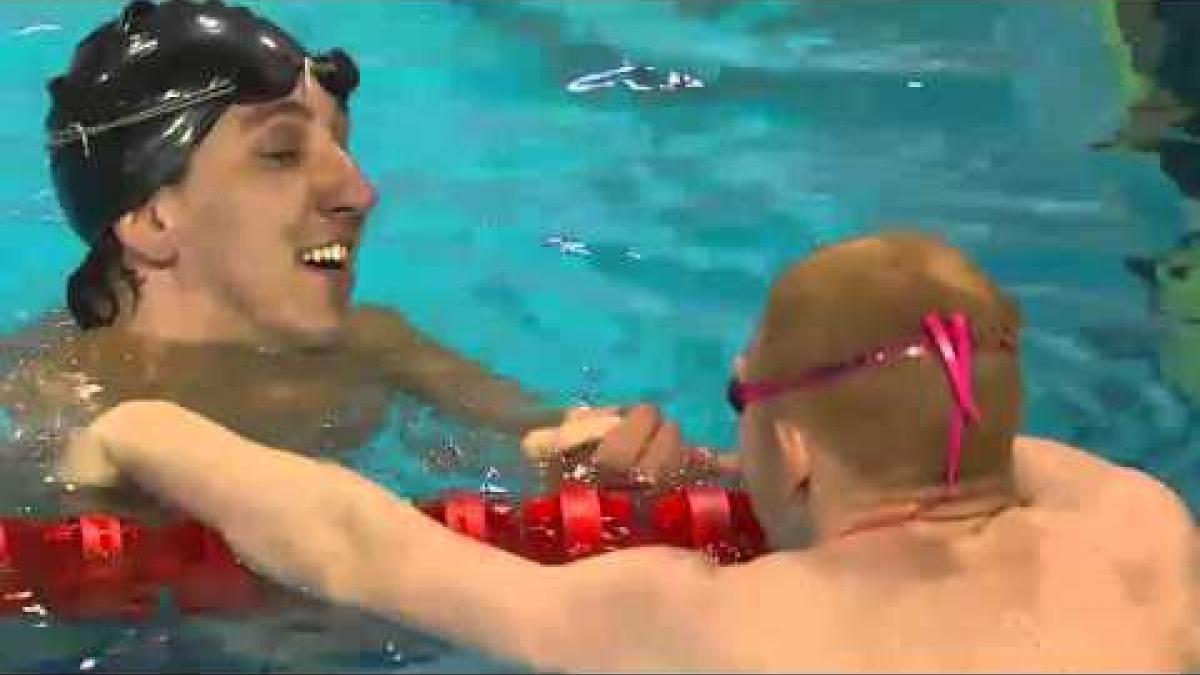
949,338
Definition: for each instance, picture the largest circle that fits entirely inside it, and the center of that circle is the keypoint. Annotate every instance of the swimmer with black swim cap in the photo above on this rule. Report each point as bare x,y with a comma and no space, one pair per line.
145,90
201,153
143,94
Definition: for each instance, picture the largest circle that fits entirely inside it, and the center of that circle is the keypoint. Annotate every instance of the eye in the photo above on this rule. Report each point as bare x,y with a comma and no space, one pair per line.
281,157
282,145
1179,272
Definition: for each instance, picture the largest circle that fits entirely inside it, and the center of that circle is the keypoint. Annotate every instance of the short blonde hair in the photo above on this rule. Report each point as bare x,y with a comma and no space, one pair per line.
890,424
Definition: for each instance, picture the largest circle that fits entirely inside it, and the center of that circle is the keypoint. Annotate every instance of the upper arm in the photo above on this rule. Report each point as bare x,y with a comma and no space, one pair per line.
666,609
639,609
327,528
644,609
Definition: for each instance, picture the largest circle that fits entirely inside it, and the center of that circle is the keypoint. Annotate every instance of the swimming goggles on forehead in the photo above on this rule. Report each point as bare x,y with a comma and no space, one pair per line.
335,71
949,338
158,60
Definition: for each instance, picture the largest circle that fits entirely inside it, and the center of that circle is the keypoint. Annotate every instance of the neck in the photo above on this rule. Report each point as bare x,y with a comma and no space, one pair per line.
164,312
952,509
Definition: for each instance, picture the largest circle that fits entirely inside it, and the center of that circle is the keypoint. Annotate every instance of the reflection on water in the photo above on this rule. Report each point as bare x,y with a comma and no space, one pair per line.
634,78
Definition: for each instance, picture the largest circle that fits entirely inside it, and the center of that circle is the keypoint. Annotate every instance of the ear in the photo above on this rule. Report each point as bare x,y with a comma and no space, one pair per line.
795,451
1143,268
147,234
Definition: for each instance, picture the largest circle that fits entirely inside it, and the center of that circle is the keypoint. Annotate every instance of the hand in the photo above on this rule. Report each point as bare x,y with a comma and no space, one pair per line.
637,448
95,454
644,449
579,427
85,461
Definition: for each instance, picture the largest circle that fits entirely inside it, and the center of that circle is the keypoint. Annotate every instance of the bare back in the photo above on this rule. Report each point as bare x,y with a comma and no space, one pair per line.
1100,589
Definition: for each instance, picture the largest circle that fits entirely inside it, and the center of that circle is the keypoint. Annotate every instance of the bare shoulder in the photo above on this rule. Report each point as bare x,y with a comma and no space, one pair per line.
1150,521
365,317
1047,454
1139,522
1055,474
386,333
44,369
1146,519
376,323
1137,496
44,392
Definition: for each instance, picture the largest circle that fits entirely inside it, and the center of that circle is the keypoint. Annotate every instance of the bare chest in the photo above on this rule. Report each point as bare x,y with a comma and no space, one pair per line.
320,406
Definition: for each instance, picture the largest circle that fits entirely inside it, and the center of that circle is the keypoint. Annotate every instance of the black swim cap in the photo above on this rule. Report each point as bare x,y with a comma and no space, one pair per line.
144,89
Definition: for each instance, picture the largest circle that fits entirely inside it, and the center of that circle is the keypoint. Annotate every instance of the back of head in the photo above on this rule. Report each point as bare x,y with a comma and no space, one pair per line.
888,424
142,91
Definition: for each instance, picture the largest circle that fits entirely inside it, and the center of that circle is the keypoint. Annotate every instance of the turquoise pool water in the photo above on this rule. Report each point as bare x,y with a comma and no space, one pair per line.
614,244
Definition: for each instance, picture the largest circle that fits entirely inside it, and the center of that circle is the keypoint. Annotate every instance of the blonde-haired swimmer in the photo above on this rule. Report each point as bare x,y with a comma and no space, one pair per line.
914,530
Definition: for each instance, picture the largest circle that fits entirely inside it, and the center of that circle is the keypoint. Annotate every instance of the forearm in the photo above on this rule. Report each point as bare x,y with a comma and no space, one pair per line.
479,396
260,498
467,391
459,385
326,529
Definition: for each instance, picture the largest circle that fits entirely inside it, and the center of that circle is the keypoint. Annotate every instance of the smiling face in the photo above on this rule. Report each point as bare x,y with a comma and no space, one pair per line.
265,225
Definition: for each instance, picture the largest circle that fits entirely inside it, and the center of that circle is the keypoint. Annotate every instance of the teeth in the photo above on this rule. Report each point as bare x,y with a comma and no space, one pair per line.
334,253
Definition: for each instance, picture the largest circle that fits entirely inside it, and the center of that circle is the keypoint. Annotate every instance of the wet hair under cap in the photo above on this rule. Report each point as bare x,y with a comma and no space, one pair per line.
142,91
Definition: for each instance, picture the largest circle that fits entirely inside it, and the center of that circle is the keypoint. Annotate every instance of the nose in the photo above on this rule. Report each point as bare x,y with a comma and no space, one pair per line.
346,194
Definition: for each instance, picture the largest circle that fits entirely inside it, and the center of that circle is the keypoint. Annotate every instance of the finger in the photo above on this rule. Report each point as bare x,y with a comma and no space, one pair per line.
548,442
729,464
585,412
85,462
540,444
664,455
623,446
586,430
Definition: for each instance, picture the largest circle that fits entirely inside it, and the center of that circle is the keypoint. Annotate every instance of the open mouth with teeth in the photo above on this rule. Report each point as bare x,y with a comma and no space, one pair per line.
334,256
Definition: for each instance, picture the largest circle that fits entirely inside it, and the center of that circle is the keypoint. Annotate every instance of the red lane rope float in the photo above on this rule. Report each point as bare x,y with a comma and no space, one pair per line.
99,566
719,522
15,593
202,573
91,566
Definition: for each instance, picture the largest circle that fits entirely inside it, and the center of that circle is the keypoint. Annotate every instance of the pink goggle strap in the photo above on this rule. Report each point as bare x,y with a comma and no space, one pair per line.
951,338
